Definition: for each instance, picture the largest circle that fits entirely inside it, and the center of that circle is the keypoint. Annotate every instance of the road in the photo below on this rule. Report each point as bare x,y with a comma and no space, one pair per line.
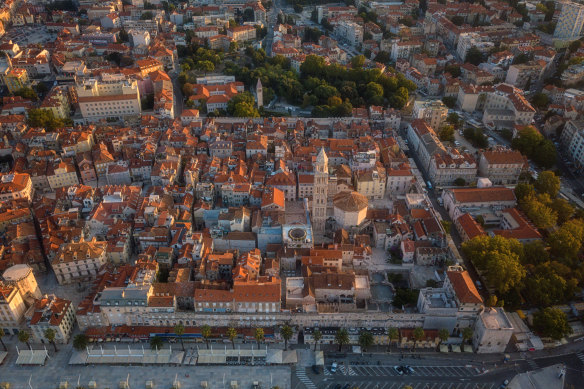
433,372
178,96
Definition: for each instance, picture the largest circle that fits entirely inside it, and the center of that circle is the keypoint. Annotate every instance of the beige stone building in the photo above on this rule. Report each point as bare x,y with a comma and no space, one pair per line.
54,313
79,261
12,308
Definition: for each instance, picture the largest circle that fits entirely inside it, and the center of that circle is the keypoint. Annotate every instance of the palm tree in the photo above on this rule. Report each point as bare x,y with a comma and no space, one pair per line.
365,340
466,334
418,335
206,333
232,334
286,333
179,330
2,333
317,336
259,335
80,342
156,343
342,338
443,334
24,337
392,335
50,335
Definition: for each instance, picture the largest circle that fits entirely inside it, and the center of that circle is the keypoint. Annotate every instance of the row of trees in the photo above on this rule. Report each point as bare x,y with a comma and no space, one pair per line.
24,336
366,339
534,146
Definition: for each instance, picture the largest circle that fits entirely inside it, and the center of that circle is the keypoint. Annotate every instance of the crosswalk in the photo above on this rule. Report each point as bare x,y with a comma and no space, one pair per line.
389,371
532,364
301,374
580,356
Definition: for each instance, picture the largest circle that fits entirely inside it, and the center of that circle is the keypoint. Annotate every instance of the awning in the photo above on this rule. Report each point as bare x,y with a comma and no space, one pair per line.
32,357
443,348
319,357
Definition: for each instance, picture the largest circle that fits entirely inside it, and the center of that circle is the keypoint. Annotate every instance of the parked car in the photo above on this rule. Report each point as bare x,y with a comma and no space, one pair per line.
398,370
334,367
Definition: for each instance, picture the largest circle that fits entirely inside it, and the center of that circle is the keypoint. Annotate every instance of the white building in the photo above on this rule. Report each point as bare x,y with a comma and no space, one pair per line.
572,140
113,97
350,32
51,312
350,209
492,331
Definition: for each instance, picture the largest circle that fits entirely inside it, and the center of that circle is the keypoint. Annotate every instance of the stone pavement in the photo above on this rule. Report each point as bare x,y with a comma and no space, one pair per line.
57,370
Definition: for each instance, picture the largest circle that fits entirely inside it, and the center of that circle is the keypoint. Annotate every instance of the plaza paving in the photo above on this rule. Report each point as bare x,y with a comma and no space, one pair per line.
57,370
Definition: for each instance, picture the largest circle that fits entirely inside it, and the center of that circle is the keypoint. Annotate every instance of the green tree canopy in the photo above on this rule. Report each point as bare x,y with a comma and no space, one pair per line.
548,182
156,343
341,338
286,332
551,322
80,342
474,56
365,340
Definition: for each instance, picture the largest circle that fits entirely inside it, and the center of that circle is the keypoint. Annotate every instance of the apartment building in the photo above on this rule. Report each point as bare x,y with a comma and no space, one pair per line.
502,166
79,261
15,186
522,76
506,106
16,79
349,31
570,22
492,331
112,97
467,40
51,312
242,33
405,49
371,183
433,112
448,167
572,140
12,308
478,201
61,174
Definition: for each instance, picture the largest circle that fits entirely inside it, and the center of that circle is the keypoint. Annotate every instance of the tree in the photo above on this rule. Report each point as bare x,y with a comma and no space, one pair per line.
259,335
342,338
26,93
443,334
467,334
563,209
551,322
454,70
474,56
566,242
41,88
504,271
446,133
317,336
242,105
80,342
524,191
382,57
365,340
499,258
460,181
449,101
205,66
179,330
540,100
286,333
357,61
418,335
156,343
24,337
50,335
45,118
392,336
454,119
206,334
232,334
548,182
148,15
535,253
540,214
2,333
491,301
458,20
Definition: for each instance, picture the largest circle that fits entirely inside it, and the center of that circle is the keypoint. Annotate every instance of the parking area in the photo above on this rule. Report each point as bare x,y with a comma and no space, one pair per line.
419,371
418,385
